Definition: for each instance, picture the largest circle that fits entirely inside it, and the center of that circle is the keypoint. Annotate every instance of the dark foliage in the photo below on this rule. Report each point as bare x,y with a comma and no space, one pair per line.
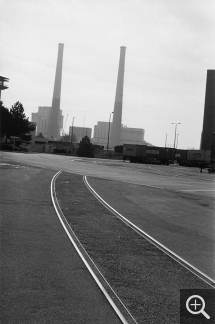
15,123
40,135
5,121
59,151
86,148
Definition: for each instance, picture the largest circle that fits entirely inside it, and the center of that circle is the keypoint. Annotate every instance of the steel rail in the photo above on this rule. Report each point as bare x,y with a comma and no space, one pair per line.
72,238
210,281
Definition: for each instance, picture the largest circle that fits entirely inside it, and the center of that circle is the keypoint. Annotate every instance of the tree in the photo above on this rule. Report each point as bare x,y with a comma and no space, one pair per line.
15,123
20,125
86,148
40,135
6,120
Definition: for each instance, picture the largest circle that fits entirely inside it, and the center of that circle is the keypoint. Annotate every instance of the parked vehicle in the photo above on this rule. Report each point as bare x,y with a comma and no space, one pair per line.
195,157
148,154
163,155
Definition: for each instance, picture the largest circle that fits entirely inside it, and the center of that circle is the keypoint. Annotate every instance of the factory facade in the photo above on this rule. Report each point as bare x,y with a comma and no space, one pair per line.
77,133
55,119
42,120
127,135
115,129
209,112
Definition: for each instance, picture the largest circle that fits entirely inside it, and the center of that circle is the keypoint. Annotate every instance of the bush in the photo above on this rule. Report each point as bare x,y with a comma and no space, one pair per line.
86,148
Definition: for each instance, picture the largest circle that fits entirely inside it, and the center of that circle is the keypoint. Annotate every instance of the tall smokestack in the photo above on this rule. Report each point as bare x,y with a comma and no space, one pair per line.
54,124
115,131
209,112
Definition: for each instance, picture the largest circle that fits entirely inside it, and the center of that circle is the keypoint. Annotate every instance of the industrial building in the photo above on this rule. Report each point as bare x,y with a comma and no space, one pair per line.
127,135
42,119
54,124
111,134
209,112
3,86
115,129
49,120
77,133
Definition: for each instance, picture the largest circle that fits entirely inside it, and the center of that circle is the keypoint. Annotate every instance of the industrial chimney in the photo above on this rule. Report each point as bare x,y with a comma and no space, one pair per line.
115,131
54,123
209,112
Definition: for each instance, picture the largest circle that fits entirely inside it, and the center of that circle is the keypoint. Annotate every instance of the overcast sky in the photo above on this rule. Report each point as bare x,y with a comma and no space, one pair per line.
169,48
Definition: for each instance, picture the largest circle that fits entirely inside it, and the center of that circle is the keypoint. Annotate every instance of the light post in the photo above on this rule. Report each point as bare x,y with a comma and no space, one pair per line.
109,132
166,139
177,141
72,134
72,130
175,132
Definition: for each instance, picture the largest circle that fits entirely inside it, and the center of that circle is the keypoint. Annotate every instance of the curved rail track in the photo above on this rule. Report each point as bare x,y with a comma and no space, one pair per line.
177,258
124,315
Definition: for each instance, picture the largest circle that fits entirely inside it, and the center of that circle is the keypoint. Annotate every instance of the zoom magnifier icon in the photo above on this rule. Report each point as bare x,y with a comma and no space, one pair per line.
195,304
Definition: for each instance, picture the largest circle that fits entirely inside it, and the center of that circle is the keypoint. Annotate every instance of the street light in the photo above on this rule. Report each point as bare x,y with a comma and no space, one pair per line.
175,132
177,141
72,130
109,132
166,139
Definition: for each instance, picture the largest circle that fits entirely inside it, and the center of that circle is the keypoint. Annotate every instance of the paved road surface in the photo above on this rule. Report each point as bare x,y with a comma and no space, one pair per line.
194,217
43,280
186,194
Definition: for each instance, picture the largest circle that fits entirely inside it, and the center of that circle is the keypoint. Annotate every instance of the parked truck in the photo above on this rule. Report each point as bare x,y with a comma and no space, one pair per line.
148,154
163,155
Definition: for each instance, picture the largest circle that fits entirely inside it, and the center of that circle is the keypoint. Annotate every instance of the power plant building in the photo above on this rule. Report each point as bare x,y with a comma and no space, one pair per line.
127,135
42,119
54,124
209,112
115,130
34,117
77,133
49,120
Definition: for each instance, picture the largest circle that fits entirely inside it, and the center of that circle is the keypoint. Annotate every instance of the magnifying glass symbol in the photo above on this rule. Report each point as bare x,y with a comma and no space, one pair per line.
197,301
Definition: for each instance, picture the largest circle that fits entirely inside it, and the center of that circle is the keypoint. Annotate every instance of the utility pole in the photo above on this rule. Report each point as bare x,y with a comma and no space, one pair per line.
72,132
175,132
166,139
177,141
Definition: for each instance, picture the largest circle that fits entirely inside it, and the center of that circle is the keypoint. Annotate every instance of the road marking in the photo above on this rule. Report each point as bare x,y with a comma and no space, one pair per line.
210,281
70,233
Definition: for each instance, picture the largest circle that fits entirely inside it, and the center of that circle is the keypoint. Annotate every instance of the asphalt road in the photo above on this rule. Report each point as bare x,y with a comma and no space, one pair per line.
145,278
43,280
173,204
181,221
186,208
167,177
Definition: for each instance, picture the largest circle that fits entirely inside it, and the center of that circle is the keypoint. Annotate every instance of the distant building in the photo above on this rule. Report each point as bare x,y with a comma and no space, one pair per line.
79,133
42,119
34,117
54,121
100,134
209,112
132,135
128,135
3,86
